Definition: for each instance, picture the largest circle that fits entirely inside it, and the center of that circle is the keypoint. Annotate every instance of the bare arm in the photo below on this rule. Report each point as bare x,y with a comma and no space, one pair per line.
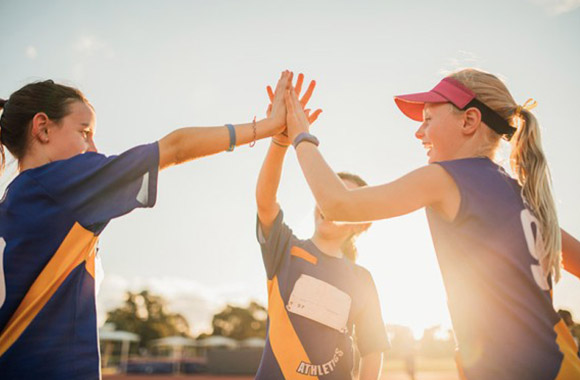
429,186
370,366
571,254
187,144
267,186
269,178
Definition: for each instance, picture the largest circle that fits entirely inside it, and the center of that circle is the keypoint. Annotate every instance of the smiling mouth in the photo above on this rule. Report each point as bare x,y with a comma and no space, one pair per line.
428,147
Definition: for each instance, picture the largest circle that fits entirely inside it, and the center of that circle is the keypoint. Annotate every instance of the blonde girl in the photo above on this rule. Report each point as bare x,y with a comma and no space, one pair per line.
497,238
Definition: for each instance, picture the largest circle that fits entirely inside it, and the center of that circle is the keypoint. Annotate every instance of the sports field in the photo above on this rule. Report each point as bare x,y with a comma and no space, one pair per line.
434,375
427,369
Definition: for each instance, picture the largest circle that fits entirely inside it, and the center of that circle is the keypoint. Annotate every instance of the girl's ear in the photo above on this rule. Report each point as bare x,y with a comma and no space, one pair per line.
39,130
471,121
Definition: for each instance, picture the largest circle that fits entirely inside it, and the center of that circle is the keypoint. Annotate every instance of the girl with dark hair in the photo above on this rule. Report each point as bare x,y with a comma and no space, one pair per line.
318,298
53,212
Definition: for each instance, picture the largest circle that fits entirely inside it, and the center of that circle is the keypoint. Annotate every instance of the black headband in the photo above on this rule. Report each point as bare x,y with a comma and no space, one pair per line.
492,119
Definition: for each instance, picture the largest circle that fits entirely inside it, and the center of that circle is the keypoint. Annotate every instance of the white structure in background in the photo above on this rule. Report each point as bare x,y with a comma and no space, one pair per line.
176,345
108,336
253,343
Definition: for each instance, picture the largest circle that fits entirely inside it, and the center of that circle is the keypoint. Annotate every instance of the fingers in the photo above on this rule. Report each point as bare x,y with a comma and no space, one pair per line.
270,93
284,81
299,82
308,93
312,118
288,100
269,110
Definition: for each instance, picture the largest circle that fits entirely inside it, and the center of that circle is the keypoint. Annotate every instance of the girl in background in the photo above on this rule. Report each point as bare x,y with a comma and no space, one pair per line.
497,238
318,298
54,211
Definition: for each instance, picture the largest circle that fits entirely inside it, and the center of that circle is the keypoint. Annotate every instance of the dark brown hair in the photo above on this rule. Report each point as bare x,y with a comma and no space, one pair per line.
18,111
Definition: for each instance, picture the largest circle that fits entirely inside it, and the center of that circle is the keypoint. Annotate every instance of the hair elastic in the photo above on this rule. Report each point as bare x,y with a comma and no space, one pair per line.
279,143
305,136
530,104
232,132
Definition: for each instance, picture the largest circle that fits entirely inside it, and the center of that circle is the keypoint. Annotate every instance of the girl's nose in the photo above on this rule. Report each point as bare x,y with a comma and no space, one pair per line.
420,133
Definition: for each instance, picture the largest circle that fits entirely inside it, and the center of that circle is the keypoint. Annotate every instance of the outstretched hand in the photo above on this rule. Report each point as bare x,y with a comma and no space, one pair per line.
283,137
277,107
297,119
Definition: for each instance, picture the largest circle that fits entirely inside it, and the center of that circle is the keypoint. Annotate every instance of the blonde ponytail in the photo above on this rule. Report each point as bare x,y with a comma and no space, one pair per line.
348,247
527,159
529,164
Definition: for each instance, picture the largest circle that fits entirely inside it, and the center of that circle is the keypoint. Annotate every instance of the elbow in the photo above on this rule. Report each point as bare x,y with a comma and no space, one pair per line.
170,150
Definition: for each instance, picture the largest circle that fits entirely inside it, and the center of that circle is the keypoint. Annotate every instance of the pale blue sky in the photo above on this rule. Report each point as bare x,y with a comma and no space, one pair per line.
150,67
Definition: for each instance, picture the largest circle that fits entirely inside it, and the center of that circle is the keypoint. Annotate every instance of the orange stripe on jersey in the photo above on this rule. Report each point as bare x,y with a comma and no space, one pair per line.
77,246
90,263
299,252
284,341
570,368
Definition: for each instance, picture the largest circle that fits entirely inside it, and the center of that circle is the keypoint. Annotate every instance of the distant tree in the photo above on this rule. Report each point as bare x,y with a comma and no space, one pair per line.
402,341
241,322
146,315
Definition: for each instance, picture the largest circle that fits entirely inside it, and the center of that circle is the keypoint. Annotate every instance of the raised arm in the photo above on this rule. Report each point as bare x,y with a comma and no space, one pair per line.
187,144
267,186
429,186
571,254
269,178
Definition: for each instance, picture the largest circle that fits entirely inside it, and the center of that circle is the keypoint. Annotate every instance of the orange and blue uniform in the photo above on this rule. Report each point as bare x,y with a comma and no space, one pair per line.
50,221
499,296
315,303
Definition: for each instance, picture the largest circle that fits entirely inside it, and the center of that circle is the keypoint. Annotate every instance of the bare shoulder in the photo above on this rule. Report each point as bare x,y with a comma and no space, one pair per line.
446,197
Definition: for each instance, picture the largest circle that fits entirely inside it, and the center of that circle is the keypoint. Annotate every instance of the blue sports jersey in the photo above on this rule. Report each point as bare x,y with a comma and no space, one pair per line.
302,341
50,220
499,297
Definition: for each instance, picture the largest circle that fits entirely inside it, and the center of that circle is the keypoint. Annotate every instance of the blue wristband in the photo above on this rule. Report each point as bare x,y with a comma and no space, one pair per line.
232,131
305,136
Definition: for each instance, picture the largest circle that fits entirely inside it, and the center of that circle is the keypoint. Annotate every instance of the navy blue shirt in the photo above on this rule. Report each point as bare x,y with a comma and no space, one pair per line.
302,346
499,297
50,220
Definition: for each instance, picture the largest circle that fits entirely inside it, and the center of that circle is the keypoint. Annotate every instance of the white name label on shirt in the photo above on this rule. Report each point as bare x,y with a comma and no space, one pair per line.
317,300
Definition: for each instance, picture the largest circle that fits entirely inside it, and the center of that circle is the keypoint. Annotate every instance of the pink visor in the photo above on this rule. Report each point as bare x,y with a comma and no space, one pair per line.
448,90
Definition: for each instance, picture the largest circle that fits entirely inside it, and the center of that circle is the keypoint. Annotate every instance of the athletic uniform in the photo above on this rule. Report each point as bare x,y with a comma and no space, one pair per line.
499,297
315,301
50,220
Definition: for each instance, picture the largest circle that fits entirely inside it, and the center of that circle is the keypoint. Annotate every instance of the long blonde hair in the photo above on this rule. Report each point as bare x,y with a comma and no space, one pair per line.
527,159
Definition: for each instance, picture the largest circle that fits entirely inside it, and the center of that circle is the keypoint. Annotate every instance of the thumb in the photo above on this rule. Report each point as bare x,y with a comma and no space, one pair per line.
270,93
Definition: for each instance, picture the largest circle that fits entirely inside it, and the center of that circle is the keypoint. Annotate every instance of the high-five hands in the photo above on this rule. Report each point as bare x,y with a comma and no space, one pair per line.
298,119
277,107
284,138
